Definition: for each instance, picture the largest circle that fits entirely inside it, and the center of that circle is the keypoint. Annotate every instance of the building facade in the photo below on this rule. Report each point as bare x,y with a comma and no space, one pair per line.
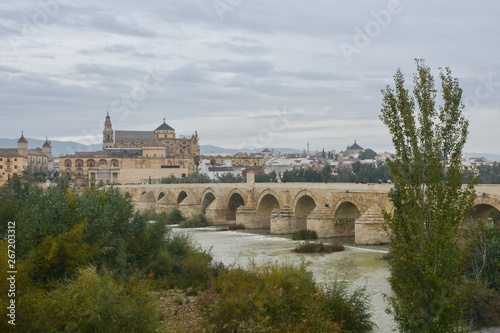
14,161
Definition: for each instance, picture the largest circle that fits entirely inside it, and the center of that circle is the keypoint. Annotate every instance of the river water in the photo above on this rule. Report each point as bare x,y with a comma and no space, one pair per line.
358,265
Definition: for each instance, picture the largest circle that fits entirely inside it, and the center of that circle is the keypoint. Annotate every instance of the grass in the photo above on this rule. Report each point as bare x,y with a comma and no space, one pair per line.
312,247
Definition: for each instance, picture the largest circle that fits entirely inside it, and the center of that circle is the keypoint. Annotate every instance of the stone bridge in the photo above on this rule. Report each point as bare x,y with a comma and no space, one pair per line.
335,209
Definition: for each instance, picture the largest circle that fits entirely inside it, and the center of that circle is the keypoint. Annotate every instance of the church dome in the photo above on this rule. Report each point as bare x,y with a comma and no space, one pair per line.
164,126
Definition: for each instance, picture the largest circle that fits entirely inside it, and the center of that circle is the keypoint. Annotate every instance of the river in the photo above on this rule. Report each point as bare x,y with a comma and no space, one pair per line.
358,265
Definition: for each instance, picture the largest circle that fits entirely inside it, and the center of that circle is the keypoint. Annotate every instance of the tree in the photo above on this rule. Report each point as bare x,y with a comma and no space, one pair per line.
196,160
368,154
326,171
429,201
212,162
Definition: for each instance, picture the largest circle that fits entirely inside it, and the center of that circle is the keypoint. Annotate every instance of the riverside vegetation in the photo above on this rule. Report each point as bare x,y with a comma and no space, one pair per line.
90,263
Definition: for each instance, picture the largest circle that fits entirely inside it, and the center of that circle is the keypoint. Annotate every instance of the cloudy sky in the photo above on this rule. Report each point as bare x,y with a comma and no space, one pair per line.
243,73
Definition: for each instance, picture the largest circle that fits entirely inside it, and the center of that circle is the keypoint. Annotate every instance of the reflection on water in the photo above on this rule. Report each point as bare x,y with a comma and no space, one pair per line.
360,265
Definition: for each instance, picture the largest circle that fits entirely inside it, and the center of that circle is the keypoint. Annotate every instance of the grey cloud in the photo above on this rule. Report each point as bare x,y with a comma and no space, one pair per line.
188,74
242,49
314,75
251,68
111,24
132,73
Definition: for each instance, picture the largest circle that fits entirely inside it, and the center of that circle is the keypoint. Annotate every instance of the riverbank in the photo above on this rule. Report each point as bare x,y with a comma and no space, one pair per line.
178,311
359,266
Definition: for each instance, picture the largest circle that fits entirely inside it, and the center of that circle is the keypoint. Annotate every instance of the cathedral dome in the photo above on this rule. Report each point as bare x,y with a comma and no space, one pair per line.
164,126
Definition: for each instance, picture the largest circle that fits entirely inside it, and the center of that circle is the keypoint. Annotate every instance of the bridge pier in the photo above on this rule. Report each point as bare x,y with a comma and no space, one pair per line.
282,221
321,221
146,201
166,204
247,216
216,213
369,228
190,206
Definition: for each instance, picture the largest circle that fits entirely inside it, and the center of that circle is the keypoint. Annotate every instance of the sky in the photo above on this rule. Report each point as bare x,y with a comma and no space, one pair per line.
242,73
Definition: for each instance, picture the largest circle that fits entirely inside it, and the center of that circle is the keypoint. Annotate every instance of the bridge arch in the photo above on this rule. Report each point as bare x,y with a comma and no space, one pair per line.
181,196
235,199
345,213
268,201
160,195
484,208
303,204
207,197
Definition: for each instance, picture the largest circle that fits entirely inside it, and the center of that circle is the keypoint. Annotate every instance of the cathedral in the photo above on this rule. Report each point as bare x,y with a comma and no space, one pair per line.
158,143
133,156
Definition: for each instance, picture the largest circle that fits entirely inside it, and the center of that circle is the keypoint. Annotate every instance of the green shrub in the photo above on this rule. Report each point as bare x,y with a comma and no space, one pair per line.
175,216
153,215
190,266
312,247
162,264
59,256
351,309
91,303
277,298
195,221
303,234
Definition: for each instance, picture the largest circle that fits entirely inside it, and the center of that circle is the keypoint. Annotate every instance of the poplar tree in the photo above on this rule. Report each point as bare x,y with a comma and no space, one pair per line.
429,201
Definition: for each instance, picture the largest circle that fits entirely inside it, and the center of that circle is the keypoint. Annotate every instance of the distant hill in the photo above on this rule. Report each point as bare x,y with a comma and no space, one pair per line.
58,147
489,157
69,147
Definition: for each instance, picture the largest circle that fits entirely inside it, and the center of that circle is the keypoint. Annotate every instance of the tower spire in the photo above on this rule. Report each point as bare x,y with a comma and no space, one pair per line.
107,134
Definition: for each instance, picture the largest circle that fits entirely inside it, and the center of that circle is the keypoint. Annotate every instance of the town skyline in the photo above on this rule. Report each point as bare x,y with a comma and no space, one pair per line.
243,74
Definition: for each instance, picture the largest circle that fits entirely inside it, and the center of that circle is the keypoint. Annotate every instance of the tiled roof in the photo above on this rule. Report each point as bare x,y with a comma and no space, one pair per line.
153,143
133,135
10,153
37,152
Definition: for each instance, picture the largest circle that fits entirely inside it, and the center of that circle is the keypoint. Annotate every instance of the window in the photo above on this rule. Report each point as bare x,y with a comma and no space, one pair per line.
15,159
8,160
1,166
15,166
8,167
1,159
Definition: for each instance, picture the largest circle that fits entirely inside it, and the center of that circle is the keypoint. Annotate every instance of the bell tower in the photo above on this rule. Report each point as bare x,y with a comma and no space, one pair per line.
22,146
107,134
